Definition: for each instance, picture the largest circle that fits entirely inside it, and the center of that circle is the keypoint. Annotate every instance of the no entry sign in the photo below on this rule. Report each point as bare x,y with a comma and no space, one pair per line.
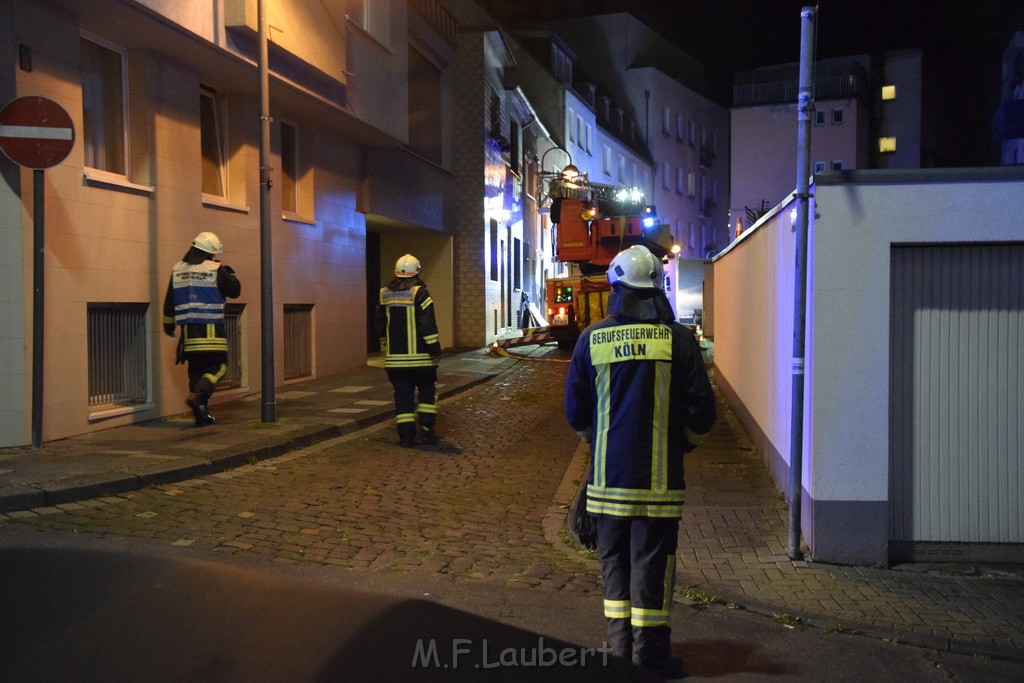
35,132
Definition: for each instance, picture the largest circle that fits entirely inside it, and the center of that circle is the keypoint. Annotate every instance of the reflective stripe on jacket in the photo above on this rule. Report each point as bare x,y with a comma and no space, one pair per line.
406,325
197,299
643,390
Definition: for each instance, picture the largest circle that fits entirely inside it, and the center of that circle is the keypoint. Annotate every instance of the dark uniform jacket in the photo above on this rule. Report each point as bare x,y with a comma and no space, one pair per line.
195,301
642,388
406,325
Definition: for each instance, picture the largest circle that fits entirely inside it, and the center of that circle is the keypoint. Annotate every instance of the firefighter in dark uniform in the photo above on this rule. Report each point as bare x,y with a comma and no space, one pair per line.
407,329
637,390
195,303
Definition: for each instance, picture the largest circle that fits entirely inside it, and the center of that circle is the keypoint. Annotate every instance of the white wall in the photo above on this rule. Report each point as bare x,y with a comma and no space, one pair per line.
857,225
858,217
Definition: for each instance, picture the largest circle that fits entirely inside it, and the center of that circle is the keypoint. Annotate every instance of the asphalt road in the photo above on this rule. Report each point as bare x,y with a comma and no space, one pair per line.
334,562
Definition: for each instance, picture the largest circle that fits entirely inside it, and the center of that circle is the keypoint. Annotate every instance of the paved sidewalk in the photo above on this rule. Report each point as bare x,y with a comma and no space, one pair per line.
732,539
132,457
732,549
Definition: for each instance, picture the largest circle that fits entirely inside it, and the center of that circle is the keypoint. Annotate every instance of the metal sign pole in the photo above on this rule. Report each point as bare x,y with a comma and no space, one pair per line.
805,110
37,307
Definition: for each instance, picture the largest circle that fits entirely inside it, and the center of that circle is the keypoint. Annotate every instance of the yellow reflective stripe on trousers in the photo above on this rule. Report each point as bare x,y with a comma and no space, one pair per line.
616,609
426,408
215,377
643,616
402,418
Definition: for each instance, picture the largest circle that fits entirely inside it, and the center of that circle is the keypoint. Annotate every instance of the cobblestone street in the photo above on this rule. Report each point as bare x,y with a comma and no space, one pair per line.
471,507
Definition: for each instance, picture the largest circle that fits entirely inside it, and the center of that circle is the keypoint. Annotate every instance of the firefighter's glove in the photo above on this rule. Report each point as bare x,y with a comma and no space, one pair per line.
179,353
169,330
585,434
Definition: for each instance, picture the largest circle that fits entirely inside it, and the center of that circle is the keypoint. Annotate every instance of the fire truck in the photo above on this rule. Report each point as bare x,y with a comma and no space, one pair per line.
594,223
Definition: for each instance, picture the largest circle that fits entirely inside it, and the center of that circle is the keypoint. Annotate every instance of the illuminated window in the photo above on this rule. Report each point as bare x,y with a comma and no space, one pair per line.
888,92
886,144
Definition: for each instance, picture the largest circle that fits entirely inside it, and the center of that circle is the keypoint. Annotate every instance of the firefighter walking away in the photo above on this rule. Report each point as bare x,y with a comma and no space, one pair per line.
407,329
195,303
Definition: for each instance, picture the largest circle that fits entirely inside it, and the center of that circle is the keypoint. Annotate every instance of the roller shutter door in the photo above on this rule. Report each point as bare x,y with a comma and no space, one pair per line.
957,394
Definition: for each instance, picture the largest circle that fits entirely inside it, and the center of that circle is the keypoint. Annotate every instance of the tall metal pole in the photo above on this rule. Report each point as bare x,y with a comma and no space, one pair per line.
805,109
268,407
37,307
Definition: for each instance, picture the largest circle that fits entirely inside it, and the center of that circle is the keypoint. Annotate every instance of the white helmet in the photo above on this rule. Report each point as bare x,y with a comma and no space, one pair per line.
208,242
407,266
636,267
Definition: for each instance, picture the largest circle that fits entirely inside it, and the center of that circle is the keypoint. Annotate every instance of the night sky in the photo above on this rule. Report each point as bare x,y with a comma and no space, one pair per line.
963,40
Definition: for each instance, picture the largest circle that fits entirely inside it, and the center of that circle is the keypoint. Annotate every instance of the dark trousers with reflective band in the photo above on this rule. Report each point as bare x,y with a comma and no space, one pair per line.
205,368
406,382
638,559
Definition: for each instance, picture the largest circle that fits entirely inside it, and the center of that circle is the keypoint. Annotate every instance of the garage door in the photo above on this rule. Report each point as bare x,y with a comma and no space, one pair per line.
957,395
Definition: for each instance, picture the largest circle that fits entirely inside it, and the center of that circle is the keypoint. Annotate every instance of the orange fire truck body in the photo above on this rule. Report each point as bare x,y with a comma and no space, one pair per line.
595,222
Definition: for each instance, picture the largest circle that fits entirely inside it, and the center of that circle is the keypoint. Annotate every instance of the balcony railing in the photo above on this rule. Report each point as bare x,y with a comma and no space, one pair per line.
437,16
825,88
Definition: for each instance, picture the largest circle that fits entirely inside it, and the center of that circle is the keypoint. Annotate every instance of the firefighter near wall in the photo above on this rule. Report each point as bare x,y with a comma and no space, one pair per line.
593,223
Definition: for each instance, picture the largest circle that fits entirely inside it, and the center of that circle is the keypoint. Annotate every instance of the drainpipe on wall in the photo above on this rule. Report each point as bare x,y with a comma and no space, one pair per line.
268,408
805,109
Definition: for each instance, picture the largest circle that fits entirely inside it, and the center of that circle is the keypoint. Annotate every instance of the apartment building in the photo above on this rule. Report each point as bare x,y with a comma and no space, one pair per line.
868,113
164,100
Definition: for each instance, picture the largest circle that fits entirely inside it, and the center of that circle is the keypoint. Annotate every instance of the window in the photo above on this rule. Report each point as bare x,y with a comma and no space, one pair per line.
232,378
211,140
819,117
607,160
104,117
886,144
665,170
579,130
888,92
837,115
837,165
514,154
586,144
425,97
494,251
298,340
117,342
571,118
692,134
373,17
622,169
517,263
289,168
691,184
819,166
692,229
679,180
666,118
680,127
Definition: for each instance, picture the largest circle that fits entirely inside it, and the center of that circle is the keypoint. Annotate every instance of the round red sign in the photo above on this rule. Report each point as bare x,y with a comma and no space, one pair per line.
35,132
